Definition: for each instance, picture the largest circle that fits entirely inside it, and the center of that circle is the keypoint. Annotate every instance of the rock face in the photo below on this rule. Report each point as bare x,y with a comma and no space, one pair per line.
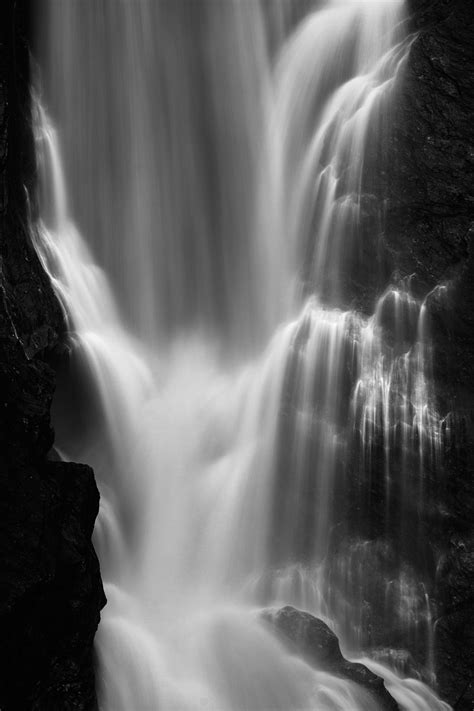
51,591
427,237
430,214
418,220
430,232
431,202
311,638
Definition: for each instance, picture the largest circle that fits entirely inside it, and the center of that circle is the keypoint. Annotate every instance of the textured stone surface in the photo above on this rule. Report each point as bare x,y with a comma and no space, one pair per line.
50,587
431,202
426,186
432,226
418,225
428,237
318,645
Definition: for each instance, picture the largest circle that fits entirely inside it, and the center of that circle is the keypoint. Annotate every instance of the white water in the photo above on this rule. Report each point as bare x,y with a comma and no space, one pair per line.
219,471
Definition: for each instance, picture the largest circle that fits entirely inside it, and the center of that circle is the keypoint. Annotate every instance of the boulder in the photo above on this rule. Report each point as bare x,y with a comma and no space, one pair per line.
311,638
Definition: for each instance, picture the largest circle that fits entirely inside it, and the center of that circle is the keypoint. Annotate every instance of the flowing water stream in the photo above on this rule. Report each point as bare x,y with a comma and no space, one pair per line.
201,224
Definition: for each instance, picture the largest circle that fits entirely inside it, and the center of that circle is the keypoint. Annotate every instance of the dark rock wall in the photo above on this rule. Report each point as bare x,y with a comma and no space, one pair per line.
424,179
430,212
432,201
51,591
417,226
430,227
431,217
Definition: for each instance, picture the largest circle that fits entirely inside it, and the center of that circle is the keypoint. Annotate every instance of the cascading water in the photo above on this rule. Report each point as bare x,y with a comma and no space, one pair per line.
209,183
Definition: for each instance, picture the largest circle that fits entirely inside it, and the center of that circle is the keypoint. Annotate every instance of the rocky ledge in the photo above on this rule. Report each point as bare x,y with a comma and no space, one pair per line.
311,638
51,590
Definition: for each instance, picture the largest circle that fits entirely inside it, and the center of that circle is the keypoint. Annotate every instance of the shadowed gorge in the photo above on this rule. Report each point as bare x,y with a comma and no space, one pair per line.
259,260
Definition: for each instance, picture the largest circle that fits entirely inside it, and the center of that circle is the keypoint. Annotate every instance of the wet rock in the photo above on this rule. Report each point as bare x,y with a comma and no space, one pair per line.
400,660
430,186
427,237
50,586
51,592
453,629
431,229
311,638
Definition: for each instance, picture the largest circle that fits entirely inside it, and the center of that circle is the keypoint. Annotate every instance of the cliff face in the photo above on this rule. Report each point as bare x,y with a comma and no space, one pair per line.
430,214
430,230
51,591
431,206
425,185
417,226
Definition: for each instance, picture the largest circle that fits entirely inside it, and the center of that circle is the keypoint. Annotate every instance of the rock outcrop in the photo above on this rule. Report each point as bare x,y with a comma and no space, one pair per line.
430,231
51,590
424,181
312,639
417,226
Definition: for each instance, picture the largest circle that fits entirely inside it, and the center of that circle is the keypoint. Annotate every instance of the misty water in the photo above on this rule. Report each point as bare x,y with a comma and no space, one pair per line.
204,170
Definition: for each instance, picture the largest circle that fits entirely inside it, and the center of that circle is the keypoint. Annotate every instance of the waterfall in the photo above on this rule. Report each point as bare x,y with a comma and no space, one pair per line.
180,149
203,224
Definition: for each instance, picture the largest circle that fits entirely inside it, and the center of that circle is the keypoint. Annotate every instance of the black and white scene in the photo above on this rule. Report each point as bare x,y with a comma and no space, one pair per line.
237,355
